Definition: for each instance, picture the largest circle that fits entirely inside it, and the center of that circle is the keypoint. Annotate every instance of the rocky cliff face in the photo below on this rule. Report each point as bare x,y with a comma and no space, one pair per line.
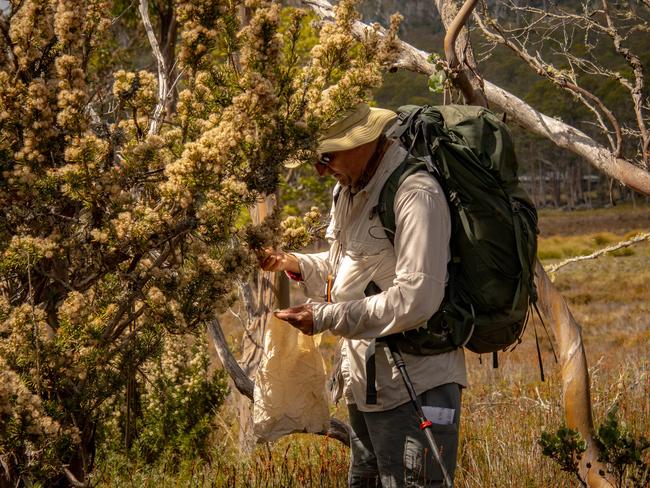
415,12
420,13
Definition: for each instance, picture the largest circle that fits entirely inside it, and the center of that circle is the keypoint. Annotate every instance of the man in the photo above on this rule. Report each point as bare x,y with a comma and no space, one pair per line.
387,447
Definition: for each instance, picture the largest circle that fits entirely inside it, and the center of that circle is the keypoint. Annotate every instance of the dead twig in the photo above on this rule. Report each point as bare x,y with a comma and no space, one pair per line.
615,247
558,77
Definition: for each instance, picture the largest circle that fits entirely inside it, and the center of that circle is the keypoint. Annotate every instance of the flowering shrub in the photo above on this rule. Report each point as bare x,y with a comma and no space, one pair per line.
120,234
174,402
299,232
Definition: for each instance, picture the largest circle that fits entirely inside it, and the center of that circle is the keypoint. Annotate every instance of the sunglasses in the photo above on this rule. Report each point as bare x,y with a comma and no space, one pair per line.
325,159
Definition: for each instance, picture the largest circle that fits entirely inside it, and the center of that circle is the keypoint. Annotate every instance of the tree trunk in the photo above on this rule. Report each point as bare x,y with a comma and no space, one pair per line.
168,35
575,374
253,339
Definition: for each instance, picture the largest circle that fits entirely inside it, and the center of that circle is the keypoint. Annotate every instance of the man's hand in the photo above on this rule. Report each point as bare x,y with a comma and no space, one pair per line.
272,260
301,317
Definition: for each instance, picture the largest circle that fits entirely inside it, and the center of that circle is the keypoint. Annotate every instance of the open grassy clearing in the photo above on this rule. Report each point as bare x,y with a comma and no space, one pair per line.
505,409
620,220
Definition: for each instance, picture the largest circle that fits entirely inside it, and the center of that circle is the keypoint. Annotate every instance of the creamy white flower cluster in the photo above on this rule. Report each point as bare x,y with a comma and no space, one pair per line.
116,241
22,416
298,232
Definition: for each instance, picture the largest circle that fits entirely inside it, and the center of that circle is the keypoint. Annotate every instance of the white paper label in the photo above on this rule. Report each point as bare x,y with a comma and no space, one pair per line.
439,415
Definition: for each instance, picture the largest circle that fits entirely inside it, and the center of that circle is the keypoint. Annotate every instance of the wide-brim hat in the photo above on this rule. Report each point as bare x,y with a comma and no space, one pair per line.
362,125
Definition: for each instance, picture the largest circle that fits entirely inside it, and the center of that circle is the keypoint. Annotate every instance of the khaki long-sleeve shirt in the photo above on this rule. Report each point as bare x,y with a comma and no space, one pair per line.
412,275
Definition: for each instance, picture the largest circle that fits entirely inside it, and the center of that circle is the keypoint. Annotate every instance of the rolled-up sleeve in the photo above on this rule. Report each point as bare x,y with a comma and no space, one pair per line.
422,251
314,269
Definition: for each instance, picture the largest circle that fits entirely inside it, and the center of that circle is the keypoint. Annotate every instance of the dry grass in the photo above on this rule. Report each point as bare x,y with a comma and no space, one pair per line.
505,409
620,219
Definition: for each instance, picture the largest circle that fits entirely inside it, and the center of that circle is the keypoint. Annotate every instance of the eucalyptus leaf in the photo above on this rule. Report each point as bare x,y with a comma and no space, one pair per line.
436,82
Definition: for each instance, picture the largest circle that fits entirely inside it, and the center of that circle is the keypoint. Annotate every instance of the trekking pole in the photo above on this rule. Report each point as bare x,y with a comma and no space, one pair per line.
425,424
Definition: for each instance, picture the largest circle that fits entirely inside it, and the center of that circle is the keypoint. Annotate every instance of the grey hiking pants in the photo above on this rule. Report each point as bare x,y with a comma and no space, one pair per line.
389,450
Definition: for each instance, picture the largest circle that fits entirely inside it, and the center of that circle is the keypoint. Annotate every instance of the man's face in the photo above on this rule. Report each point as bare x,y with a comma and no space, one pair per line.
346,166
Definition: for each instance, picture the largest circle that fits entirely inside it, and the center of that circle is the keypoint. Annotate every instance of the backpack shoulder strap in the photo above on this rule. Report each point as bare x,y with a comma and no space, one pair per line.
336,193
386,206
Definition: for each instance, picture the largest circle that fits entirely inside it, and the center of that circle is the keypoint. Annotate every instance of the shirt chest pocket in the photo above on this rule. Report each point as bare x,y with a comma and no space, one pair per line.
363,262
369,248
368,238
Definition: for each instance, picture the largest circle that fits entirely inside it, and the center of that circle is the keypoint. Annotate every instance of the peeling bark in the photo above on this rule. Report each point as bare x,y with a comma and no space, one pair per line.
575,375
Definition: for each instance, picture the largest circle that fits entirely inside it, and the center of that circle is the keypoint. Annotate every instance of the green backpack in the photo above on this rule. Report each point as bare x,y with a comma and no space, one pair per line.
494,227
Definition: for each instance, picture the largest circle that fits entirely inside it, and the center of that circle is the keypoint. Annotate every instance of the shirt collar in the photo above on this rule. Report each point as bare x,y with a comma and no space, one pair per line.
392,158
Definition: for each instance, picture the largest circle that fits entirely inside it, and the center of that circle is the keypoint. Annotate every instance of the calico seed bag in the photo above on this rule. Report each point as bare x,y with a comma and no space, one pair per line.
290,392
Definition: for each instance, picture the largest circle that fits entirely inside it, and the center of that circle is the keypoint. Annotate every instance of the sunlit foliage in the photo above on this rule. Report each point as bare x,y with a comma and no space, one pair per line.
118,239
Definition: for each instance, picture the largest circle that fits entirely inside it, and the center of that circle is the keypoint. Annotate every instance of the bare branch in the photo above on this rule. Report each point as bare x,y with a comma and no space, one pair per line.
615,247
568,137
560,133
338,430
546,70
73,479
130,318
602,22
637,92
472,96
159,111
243,383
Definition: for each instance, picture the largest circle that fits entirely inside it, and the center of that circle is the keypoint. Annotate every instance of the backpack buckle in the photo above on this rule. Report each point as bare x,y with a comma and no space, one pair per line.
402,118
